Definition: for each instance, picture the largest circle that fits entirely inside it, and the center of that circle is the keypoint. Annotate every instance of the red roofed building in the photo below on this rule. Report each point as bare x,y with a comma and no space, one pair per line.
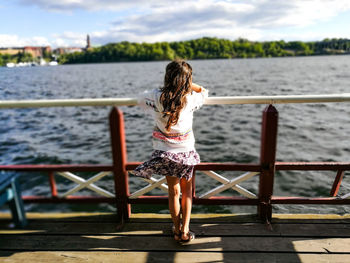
37,51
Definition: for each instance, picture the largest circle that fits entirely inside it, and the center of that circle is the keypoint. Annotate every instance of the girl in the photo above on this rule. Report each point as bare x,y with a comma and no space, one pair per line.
174,153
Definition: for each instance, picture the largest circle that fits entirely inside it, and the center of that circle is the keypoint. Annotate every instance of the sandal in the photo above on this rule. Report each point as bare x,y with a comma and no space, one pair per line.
191,236
177,236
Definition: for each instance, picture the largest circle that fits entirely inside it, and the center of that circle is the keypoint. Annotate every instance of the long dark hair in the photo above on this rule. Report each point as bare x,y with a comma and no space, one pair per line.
177,84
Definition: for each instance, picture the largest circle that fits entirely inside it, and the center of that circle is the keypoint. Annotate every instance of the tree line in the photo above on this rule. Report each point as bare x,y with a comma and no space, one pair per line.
203,48
206,48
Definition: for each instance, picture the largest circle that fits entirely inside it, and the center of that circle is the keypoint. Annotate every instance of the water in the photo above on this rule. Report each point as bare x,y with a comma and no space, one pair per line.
224,133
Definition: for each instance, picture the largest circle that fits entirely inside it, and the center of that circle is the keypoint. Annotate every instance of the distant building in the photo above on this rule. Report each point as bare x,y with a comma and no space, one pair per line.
67,50
40,51
37,51
10,51
88,43
34,51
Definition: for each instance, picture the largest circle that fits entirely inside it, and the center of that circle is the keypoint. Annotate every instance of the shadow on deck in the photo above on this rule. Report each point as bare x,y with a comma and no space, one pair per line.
81,237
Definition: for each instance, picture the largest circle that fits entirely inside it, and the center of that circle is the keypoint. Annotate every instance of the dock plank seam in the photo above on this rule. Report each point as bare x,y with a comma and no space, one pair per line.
170,235
326,252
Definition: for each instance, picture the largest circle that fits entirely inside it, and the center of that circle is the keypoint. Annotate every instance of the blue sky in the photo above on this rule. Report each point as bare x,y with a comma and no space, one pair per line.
67,22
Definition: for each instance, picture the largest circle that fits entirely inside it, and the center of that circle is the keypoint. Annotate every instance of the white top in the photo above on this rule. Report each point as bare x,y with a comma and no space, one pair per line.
180,138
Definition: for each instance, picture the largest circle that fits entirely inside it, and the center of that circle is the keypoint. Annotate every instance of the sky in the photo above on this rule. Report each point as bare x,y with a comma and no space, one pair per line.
66,23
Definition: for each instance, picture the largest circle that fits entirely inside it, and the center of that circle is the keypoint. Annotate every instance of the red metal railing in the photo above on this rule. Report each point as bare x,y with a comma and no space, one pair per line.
50,171
266,168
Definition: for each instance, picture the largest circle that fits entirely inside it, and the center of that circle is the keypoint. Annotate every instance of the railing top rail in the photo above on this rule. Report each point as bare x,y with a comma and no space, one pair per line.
279,99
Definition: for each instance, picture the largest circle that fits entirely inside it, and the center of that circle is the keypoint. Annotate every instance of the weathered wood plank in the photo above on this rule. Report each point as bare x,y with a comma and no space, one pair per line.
160,257
135,217
63,217
310,218
161,243
78,237
211,218
219,229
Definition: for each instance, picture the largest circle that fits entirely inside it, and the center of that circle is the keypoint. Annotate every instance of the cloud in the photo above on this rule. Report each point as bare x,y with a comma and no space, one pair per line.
297,13
187,21
166,20
227,19
69,39
89,5
16,41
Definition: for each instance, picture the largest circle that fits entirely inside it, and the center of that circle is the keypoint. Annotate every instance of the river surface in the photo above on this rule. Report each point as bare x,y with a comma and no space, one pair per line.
224,133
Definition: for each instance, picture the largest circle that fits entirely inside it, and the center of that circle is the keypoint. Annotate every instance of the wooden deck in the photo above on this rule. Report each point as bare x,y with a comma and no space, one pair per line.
89,237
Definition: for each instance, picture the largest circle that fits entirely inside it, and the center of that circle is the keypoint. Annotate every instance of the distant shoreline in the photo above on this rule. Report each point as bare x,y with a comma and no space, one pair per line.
197,49
205,48
165,60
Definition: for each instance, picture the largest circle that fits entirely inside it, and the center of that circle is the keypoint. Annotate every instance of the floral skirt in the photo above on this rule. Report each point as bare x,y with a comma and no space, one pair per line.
169,164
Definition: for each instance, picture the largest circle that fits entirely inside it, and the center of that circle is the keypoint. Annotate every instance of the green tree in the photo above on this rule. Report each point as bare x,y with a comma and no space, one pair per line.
204,48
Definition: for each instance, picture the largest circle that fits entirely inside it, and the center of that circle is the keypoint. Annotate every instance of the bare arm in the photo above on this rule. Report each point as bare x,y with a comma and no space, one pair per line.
196,88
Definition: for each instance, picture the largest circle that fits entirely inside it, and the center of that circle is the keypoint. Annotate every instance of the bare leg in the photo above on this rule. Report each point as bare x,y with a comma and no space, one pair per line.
174,202
186,204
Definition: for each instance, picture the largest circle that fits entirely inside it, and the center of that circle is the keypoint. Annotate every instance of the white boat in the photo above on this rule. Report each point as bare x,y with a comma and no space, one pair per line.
10,65
42,62
53,63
